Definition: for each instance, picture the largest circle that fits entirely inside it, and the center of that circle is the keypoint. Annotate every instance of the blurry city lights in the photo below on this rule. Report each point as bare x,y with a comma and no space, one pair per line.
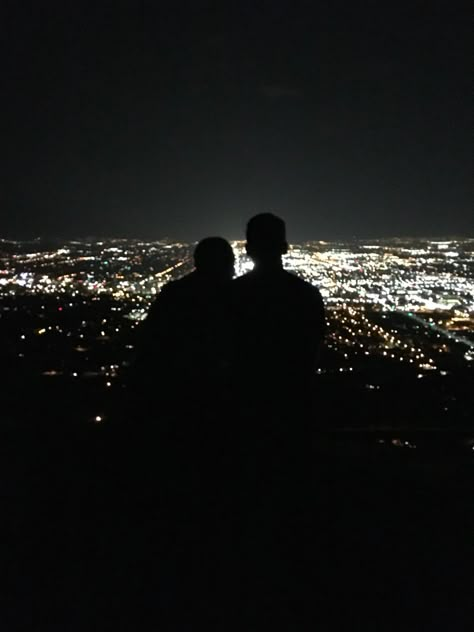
400,304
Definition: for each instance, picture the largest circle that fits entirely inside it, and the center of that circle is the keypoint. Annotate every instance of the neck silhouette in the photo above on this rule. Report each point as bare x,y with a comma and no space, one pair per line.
268,263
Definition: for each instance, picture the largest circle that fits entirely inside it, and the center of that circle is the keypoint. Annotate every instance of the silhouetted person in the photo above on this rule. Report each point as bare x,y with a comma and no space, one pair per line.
183,348
279,327
279,323
178,384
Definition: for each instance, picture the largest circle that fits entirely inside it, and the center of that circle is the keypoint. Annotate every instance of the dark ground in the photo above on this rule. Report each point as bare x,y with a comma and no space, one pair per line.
105,528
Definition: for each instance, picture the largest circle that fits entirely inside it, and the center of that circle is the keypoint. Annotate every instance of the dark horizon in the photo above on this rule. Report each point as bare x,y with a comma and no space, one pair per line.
187,120
231,238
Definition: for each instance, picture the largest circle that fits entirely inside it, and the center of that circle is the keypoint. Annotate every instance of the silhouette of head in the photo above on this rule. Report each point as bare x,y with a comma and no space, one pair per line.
266,238
214,258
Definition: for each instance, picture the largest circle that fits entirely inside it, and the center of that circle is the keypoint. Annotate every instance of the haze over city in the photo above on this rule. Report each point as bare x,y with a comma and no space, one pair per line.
150,120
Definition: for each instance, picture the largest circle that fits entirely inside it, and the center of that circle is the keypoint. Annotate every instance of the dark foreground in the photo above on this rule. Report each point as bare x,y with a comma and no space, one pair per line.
104,530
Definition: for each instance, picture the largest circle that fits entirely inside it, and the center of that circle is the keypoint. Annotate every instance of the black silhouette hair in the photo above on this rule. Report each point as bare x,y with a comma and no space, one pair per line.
266,236
214,255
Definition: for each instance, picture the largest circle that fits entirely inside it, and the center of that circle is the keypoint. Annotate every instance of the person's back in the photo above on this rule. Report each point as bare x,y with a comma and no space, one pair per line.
184,327
279,321
279,327
183,342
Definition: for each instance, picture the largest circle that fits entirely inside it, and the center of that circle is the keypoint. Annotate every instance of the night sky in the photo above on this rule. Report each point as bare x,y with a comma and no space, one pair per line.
151,119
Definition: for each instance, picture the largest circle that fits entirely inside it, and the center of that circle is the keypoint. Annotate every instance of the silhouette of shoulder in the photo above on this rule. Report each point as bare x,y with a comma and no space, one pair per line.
186,323
280,275
279,322
189,291
279,284
177,288
182,345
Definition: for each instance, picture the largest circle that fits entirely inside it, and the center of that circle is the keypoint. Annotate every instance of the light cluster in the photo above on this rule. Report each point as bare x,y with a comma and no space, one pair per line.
405,303
404,275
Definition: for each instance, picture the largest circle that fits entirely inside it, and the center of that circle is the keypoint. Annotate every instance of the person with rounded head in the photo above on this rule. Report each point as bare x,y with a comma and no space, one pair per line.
184,341
178,383
214,259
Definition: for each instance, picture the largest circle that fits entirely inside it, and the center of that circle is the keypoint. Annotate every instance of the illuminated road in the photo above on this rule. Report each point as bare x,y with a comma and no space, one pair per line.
158,275
440,330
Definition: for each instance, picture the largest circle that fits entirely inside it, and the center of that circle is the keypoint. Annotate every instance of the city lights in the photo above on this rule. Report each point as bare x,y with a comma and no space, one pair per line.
405,305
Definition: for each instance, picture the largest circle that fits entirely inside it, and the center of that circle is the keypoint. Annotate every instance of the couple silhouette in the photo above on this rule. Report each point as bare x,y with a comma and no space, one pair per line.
251,342
223,387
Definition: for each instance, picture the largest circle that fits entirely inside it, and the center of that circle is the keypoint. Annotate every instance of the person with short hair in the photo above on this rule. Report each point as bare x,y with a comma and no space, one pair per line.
279,325
279,321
